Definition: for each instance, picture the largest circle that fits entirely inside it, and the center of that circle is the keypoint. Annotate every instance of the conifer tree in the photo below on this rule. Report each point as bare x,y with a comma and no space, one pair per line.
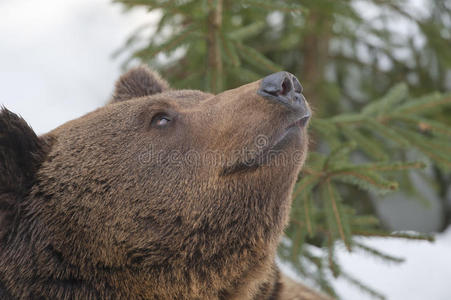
381,100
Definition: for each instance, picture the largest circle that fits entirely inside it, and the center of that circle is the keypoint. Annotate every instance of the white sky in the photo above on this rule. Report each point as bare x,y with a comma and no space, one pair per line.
55,65
55,56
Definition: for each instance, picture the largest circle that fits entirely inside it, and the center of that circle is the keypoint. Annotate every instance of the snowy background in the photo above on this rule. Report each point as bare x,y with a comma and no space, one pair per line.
56,65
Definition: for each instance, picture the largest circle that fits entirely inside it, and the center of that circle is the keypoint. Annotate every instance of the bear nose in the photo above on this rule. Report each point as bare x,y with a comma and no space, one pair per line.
284,88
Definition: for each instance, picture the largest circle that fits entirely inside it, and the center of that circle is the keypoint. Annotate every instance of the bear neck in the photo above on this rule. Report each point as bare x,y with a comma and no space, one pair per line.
237,268
30,270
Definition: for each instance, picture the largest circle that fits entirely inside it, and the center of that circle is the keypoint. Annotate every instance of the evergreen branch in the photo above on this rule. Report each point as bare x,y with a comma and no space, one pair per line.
131,40
433,148
244,74
442,161
326,126
174,42
319,276
331,257
339,154
386,131
327,130
297,240
315,163
362,286
385,257
383,166
393,97
333,200
367,145
348,118
229,49
310,171
423,104
368,220
214,49
402,235
315,260
426,125
247,31
275,6
168,6
366,180
307,212
165,20
257,59
306,185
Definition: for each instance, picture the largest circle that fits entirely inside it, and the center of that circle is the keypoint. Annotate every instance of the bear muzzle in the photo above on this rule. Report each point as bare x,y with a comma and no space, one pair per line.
285,89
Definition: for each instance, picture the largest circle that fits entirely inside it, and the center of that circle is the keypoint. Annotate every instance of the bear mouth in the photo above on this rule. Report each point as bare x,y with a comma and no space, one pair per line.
296,126
270,149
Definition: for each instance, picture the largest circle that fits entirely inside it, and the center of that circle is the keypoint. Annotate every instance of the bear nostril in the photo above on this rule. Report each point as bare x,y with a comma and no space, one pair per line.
286,86
283,88
276,84
297,85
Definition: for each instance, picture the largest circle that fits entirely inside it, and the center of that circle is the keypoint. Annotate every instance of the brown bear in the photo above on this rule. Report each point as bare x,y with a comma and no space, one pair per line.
160,194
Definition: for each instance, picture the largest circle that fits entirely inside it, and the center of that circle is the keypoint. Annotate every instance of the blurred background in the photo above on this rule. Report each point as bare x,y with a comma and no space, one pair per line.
376,188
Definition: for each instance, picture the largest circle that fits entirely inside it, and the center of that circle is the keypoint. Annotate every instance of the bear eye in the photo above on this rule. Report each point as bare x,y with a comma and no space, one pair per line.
161,120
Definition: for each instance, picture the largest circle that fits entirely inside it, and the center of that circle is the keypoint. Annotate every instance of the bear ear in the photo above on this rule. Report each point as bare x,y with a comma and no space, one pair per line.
21,153
138,82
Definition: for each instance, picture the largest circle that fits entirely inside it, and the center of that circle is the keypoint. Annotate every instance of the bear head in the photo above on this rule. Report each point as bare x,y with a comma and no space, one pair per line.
159,194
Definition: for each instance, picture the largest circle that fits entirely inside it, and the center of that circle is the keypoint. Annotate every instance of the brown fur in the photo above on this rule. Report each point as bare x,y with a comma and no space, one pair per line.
101,208
144,82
